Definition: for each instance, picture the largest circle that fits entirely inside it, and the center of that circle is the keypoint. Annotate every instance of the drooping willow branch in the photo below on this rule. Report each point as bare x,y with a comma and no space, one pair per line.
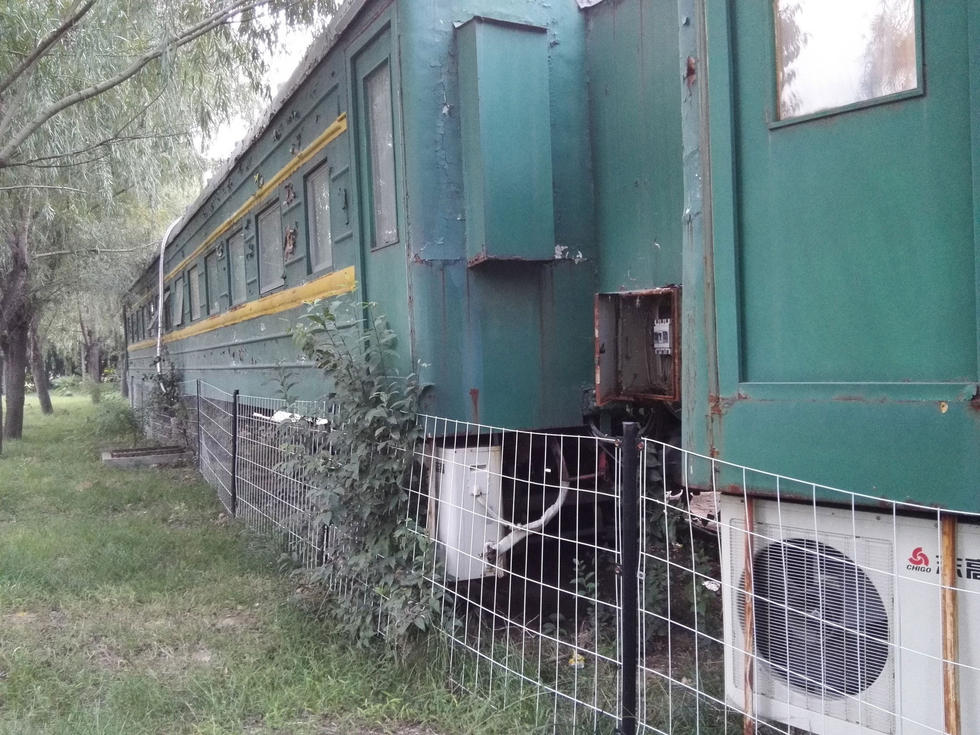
186,36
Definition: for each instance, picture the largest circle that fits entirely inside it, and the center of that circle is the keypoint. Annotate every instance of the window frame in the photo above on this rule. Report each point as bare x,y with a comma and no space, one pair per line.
194,281
376,50
168,317
211,282
775,121
270,211
178,301
229,249
373,164
323,169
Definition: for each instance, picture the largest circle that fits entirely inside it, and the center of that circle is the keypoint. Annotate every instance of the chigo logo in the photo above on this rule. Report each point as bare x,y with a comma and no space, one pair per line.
919,561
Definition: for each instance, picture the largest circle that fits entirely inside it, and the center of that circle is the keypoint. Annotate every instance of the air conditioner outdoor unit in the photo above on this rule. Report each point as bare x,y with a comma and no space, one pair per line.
846,607
466,515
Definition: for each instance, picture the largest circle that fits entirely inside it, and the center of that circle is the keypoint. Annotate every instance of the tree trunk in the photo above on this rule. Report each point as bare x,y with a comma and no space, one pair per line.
13,427
91,351
124,358
94,357
15,318
39,371
3,395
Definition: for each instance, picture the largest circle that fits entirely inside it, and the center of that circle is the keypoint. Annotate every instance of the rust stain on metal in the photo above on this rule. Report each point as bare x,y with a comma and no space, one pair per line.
731,489
719,405
849,399
475,399
691,73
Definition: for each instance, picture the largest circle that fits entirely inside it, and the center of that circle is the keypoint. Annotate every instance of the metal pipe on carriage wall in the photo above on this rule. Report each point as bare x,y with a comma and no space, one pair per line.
163,246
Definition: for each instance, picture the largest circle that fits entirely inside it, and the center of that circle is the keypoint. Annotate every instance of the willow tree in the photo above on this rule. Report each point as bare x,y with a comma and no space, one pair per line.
100,97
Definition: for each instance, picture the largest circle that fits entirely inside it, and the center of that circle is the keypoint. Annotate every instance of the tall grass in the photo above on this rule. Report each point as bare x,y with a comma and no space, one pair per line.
129,604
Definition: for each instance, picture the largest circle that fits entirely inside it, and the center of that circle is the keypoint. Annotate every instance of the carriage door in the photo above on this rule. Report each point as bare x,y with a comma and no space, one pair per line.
375,95
847,270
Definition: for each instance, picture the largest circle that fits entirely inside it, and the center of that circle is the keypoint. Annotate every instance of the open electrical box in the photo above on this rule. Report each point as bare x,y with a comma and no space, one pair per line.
637,345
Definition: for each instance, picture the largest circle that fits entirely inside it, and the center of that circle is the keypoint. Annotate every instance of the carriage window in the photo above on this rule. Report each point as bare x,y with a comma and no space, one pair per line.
236,267
270,249
318,212
211,271
381,153
168,321
834,53
193,275
178,313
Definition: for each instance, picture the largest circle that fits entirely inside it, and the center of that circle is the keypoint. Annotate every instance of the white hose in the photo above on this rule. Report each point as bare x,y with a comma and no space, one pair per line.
493,551
522,530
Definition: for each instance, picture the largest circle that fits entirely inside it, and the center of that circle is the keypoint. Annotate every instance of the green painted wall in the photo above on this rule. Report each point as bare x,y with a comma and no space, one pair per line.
830,268
503,96
844,253
459,321
857,266
479,329
634,74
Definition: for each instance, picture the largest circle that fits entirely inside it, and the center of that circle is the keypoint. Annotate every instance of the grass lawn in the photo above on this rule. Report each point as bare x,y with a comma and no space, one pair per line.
128,605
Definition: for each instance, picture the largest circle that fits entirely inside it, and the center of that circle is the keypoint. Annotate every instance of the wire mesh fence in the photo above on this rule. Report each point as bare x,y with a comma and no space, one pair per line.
218,441
814,610
170,418
525,525
625,585
273,496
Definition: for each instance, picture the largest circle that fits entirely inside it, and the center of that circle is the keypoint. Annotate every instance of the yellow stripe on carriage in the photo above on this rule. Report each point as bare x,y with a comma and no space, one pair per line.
332,284
335,129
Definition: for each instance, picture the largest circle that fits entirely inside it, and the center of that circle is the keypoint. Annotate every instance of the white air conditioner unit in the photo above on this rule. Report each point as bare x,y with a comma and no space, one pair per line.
465,484
847,633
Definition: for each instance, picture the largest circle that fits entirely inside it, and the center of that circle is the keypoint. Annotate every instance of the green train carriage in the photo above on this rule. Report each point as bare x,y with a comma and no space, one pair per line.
451,308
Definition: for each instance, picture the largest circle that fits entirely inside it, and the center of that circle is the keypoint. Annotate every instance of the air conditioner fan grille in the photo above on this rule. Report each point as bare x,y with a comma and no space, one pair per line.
820,623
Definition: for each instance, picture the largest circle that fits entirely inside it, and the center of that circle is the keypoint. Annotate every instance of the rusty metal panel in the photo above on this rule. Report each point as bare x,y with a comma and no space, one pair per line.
637,345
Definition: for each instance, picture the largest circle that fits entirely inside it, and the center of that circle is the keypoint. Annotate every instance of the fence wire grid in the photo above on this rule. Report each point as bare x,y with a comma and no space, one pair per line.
611,582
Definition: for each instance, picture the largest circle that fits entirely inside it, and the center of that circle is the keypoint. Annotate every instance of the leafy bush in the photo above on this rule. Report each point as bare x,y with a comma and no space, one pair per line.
166,416
361,479
116,420
166,394
66,385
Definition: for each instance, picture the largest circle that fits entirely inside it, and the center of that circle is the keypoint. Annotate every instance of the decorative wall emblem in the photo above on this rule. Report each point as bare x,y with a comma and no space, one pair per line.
289,242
